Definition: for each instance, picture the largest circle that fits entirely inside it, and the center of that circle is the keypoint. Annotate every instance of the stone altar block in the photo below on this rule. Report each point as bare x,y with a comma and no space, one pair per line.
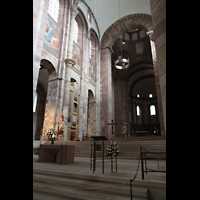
61,154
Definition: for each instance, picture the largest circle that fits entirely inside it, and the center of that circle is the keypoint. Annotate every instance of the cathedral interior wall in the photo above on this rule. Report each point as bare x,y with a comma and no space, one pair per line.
103,96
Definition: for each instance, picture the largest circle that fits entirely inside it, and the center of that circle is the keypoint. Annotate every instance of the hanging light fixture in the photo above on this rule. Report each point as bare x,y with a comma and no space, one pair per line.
121,63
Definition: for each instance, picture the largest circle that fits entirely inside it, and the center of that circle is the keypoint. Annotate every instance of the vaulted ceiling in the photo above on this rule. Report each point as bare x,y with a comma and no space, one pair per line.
116,19
107,12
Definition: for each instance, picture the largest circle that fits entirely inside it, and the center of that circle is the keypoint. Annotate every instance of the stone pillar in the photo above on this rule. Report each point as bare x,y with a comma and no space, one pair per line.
69,62
121,104
158,13
74,12
50,103
157,82
106,93
84,87
39,21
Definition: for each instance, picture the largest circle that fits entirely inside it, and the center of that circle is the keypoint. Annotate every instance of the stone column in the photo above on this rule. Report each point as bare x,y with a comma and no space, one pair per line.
121,104
74,12
84,87
39,21
158,13
106,93
69,62
160,109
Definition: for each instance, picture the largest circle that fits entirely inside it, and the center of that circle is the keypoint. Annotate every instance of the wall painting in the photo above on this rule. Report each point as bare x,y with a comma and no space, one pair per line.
77,55
52,35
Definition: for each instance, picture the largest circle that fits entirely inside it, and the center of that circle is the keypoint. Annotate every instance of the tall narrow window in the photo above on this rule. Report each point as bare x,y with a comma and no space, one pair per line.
138,110
76,32
92,59
139,47
150,95
35,103
152,110
54,9
90,50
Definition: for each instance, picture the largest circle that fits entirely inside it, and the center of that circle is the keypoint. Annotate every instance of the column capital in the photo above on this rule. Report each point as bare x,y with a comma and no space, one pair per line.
74,10
70,62
151,37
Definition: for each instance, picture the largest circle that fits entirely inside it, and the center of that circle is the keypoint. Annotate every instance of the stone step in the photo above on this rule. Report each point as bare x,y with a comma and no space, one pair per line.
67,184
138,138
128,149
41,195
86,185
44,192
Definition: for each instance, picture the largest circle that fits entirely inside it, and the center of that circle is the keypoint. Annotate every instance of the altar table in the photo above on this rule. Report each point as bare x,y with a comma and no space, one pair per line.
61,154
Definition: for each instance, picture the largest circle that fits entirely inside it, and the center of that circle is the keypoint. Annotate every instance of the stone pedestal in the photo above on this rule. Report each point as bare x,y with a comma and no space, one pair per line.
61,154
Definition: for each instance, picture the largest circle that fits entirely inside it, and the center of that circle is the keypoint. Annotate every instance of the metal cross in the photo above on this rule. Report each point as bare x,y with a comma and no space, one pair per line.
112,125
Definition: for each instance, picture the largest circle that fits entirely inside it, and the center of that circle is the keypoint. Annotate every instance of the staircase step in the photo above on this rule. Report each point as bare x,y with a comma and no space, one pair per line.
84,189
129,147
88,185
38,195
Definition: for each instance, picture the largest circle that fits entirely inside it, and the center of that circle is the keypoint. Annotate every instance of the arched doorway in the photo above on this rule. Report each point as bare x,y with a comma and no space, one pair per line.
47,72
41,101
41,90
91,122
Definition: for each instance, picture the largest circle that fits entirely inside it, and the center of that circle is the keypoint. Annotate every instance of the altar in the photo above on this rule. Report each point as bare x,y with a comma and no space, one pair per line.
58,153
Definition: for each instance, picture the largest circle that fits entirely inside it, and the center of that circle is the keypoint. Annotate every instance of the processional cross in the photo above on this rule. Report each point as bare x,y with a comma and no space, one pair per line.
112,125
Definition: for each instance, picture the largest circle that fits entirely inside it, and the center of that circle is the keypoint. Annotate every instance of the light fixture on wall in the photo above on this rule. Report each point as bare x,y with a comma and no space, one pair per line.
121,63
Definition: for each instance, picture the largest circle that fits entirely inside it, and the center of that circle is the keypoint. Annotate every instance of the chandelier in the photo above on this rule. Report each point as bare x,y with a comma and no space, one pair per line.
121,63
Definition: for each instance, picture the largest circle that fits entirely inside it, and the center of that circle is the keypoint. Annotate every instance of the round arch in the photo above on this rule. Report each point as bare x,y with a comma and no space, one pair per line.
140,79
93,32
48,65
90,95
125,24
83,19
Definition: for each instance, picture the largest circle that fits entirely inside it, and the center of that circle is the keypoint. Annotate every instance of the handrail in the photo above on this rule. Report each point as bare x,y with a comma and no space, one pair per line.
145,159
142,165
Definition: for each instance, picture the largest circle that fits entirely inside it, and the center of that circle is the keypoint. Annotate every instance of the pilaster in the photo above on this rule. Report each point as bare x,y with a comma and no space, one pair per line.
106,93
158,13
69,62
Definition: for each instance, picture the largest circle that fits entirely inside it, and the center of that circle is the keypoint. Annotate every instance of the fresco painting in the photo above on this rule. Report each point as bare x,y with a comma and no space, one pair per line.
52,34
92,70
77,55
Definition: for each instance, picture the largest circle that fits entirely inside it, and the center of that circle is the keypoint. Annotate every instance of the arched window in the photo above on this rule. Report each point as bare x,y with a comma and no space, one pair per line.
152,110
138,110
90,50
76,32
150,95
142,34
54,9
77,41
127,36
92,59
134,36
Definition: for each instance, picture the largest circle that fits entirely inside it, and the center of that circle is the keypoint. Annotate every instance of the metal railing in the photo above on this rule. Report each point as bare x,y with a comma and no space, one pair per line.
143,157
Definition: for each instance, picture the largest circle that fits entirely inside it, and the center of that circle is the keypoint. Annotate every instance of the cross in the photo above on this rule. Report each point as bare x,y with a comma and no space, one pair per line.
112,125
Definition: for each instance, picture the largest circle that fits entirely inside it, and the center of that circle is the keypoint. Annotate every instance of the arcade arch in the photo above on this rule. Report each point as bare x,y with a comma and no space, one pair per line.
47,71
136,25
